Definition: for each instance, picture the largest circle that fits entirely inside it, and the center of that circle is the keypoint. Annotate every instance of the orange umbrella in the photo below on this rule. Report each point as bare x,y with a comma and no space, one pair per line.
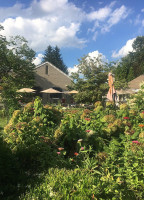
111,96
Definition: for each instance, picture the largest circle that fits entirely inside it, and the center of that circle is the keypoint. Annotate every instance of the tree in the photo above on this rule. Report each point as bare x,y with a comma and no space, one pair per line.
4,52
91,79
49,55
138,44
132,65
53,56
138,56
16,69
130,74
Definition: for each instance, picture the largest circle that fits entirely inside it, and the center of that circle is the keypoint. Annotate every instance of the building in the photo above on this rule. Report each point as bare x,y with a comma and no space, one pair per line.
49,76
133,87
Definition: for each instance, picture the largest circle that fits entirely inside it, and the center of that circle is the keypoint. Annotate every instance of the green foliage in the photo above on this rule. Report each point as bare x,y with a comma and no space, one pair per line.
131,74
132,65
70,130
73,154
16,69
3,120
27,126
138,44
90,80
95,128
137,100
119,84
53,56
9,171
29,132
116,173
81,153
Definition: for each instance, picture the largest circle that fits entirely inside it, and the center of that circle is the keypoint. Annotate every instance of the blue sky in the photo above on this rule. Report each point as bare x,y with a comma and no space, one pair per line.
77,27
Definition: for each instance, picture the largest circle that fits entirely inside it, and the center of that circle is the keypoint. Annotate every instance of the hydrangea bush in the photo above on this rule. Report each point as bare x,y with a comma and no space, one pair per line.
92,154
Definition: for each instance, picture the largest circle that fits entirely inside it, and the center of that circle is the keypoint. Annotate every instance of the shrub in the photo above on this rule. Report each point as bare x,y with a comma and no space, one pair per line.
26,128
102,151
98,103
10,173
116,173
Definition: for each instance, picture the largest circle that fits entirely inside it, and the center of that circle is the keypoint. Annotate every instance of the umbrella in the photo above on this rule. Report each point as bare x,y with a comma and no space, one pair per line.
72,92
51,90
26,90
111,96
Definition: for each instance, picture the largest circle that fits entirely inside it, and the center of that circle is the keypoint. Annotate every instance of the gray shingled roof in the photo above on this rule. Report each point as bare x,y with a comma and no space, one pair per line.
135,83
134,86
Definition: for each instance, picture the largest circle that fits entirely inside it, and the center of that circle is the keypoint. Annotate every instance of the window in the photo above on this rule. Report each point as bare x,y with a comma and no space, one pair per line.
46,69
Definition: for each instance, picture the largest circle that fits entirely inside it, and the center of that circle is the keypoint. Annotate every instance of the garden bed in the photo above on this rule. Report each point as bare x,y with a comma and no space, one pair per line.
74,153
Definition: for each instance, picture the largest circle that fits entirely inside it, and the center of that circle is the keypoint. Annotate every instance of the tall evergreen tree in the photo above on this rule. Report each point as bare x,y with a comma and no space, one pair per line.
48,55
53,56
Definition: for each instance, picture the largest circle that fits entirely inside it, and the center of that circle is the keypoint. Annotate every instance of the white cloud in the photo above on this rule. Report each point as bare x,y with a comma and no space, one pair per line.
100,15
105,18
50,6
142,10
124,50
48,22
96,56
72,69
116,16
14,11
38,59
45,23
95,36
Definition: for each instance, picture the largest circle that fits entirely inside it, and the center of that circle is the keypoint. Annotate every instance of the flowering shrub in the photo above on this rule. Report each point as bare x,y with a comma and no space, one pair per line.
116,173
126,117
141,125
98,109
70,130
136,101
85,114
142,115
123,106
141,135
96,154
30,124
30,132
88,119
98,103
135,142
109,104
108,118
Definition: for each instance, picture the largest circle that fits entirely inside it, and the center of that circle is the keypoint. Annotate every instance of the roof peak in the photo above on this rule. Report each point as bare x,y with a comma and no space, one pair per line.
53,67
